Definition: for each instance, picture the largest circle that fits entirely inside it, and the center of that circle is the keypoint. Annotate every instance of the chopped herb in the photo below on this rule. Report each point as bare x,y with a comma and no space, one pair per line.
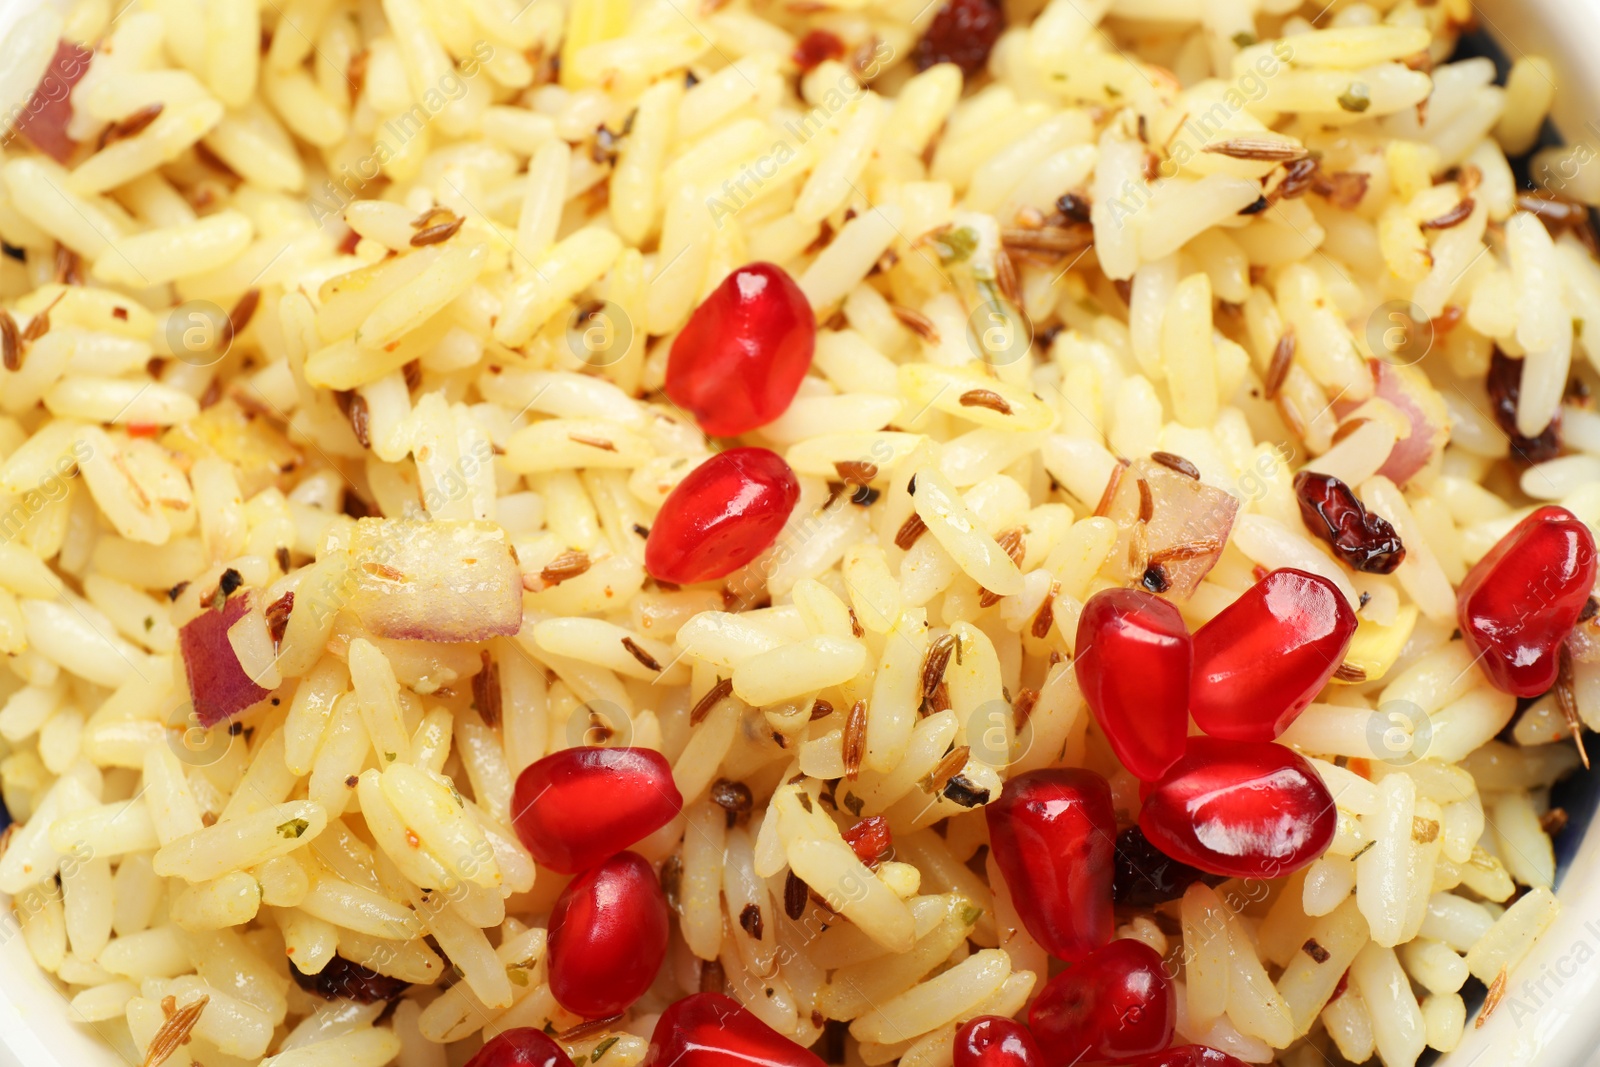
149,623
293,828
1244,39
957,245
602,1048
970,914
854,804
1356,98
389,756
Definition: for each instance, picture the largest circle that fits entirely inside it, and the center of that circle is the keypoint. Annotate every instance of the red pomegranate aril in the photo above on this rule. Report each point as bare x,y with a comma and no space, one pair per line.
1243,809
1133,662
578,806
44,117
995,1041
1115,1004
739,360
1053,833
1522,599
1263,658
1331,511
723,515
522,1047
1188,1056
871,839
713,1030
608,936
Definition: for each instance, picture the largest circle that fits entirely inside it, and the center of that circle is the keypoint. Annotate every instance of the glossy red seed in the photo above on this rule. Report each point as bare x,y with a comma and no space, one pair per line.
722,516
1053,833
1245,809
578,806
1263,658
1524,597
522,1047
995,1041
1116,1004
1187,1056
608,936
1362,539
712,1030
1133,662
738,362
962,32
871,839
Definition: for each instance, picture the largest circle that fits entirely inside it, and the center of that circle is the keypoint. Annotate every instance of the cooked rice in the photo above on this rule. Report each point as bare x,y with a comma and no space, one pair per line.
425,261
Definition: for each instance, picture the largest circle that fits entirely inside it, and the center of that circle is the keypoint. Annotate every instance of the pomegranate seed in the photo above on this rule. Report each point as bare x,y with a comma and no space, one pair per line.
608,936
1267,655
1133,664
577,806
871,839
1188,1056
995,1041
1053,833
962,32
1115,1004
1146,876
712,1030
1524,597
744,351
720,517
1331,511
522,1047
1504,382
1240,808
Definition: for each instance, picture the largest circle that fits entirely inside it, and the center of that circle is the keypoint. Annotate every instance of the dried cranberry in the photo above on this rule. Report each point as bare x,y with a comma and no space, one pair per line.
1146,876
722,516
522,1047
1244,809
1505,389
1263,658
739,360
995,1041
1133,665
816,47
1362,539
1053,835
962,32
608,936
340,979
1115,1004
713,1030
578,806
1522,599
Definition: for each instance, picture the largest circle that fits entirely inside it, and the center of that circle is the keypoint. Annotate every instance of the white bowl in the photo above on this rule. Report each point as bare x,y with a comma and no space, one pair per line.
1550,1014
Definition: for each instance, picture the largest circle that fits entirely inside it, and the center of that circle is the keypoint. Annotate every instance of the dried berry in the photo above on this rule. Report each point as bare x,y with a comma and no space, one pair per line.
340,979
1145,876
1505,388
1331,511
962,32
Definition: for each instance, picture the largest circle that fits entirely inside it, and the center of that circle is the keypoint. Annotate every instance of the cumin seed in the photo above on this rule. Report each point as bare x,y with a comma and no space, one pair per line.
855,739
715,695
985,398
1175,462
646,660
